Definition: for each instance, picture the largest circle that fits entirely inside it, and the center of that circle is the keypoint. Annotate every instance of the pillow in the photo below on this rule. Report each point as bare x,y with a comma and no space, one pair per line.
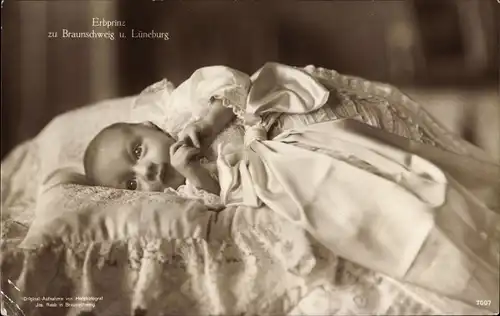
75,213
82,215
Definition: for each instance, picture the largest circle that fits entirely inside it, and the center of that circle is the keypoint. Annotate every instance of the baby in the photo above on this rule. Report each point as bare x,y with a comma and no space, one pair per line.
143,157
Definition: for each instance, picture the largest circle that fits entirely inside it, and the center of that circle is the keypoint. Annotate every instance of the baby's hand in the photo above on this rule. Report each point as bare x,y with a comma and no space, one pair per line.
196,132
182,159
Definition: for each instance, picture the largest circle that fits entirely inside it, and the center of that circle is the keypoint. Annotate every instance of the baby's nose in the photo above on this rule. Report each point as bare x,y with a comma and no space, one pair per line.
146,170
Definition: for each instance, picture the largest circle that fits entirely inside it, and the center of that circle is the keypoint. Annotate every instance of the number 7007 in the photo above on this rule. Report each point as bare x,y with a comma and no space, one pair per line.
483,302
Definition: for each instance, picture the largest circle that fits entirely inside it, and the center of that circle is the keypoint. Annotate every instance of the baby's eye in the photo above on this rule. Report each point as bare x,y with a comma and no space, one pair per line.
131,185
138,151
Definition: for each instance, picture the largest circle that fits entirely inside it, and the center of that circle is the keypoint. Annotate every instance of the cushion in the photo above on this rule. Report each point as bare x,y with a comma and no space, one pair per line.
76,213
86,215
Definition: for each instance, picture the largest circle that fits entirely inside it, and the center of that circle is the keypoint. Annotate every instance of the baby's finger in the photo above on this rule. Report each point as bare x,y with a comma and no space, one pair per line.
191,153
193,135
175,147
186,153
182,133
186,139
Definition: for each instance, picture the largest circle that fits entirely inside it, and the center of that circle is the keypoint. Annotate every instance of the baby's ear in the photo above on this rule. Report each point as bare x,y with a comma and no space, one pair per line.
65,176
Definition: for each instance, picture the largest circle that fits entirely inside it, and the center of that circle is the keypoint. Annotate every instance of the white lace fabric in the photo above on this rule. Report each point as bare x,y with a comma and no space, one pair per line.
190,191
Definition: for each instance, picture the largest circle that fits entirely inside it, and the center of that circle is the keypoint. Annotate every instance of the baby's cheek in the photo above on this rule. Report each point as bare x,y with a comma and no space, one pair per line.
151,153
157,187
149,187
174,180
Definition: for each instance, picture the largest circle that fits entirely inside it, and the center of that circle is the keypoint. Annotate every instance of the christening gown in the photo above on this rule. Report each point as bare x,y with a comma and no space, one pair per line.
371,189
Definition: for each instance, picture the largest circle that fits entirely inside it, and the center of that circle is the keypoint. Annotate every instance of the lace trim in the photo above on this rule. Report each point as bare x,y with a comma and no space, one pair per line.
210,200
162,85
238,110
234,98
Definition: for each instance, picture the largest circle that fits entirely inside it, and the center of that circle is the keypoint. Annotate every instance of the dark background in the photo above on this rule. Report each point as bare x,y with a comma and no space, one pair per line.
449,48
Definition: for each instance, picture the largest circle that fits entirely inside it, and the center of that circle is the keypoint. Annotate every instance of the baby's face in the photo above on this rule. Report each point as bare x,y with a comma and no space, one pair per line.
134,157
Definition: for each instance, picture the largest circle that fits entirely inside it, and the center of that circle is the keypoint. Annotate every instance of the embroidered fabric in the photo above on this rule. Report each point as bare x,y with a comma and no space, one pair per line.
19,182
241,265
191,276
190,191
412,116
347,100
210,200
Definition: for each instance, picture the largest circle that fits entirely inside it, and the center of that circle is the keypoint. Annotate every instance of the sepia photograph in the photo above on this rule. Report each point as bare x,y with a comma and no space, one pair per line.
250,157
